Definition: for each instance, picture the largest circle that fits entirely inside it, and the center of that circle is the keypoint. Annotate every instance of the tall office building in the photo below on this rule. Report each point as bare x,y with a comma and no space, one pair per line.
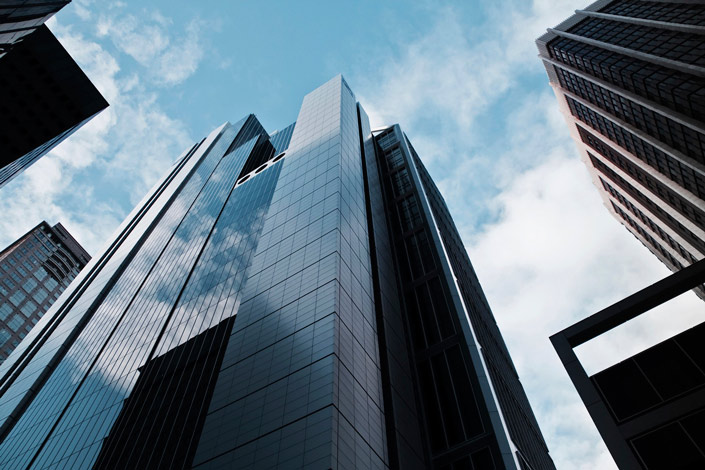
630,78
34,271
293,300
19,18
44,94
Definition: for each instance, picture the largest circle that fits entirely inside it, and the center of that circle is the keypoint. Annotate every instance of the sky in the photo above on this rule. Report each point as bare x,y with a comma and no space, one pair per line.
462,79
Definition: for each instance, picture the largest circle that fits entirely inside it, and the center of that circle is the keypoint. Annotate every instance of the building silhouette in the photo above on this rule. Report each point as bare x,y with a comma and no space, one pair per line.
34,271
44,94
293,300
630,79
650,407
20,18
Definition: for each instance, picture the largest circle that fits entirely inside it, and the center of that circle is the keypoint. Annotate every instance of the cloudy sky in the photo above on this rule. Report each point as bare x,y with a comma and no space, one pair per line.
462,78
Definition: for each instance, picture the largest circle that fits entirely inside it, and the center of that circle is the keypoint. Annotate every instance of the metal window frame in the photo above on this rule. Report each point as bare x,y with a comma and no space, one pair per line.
614,434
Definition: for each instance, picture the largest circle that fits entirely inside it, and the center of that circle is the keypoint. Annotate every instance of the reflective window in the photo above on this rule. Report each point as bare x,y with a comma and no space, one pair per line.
5,311
40,273
29,308
15,322
40,295
29,284
4,335
17,298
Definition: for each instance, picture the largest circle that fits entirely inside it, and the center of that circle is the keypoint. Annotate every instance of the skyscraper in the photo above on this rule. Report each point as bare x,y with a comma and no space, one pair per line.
630,78
44,94
19,18
293,300
34,271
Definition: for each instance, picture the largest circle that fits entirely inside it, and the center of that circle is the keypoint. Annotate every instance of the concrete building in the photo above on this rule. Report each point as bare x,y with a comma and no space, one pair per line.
629,76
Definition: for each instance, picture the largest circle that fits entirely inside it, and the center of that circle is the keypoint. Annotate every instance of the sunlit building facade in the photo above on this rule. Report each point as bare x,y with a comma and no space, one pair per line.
293,300
34,271
630,79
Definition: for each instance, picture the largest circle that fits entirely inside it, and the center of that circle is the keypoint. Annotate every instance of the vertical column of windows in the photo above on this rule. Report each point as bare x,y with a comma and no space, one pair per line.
447,389
675,45
680,13
521,423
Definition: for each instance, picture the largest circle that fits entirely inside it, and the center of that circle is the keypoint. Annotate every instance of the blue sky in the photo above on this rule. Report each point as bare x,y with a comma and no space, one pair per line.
464,81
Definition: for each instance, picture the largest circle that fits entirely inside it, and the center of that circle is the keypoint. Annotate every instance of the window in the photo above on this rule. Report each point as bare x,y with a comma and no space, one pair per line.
5,311
17,298
401,182
29,284
394,158
40,295
40,273
28,308
51,283
409,213
15,322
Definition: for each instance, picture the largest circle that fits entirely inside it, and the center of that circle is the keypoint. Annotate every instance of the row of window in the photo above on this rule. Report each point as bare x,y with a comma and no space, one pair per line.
676,90
675,45
638,147
447,395
692,212
646,201
647,221
683,175
650,240
659,11
660,127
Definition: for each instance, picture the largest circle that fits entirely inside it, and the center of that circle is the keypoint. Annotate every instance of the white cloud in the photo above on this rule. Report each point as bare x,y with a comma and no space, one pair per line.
90,181
167,58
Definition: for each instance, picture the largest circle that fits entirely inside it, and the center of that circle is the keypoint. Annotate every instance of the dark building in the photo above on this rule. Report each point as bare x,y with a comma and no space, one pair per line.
44,95
293,300
20,18
630,78
649,408
34,271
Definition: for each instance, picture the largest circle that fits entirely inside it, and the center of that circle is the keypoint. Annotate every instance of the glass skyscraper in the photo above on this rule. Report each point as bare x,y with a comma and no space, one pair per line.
293,300
629,76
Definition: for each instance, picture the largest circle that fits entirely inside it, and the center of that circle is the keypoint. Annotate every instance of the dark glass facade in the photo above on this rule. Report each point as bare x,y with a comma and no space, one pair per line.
44,95
630,79
34,271
293,300
19,18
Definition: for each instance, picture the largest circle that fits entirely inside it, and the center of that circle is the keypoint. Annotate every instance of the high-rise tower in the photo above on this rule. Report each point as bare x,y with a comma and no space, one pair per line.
34,271
630,79
294,300
44,94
